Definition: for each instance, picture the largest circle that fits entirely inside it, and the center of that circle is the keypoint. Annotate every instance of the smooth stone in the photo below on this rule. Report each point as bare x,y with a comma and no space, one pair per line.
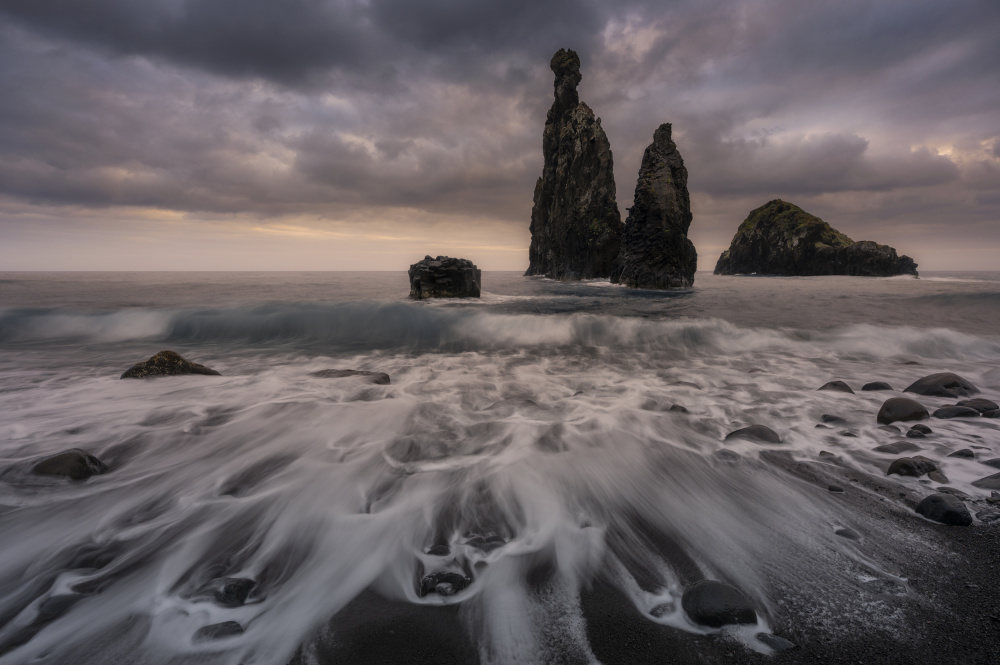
920,427
775,642
900,408
716,604
847,533
937,477
995,413
988,483
979,404
896,447
761,433
956,412
234,591
946,509
217,631
995,462
443,583
74,464
942,384
954,492
830,418
835,488
677,408
911,466
837,386
965,453
877,385
378,378
890,428
915,434
166,363
826,454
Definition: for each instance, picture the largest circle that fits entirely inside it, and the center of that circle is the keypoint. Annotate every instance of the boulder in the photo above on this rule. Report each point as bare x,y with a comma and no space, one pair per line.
760,433
923,429
877,385
166,363
956,412
988,483
716,604
444,277
74,464
836,386
942,384
576,227
780,238
995,413
911,466
946,509
979,404
900,408
378,378
655,250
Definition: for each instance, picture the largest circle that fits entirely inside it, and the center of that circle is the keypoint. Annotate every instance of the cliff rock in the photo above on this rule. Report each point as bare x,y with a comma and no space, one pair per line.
656,252
444,277
779,238
575,224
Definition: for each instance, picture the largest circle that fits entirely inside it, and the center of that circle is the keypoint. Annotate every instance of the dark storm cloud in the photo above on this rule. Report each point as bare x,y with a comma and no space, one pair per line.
309,106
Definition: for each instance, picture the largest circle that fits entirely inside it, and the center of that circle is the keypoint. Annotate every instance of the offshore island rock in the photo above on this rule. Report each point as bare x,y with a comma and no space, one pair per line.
576,227
656,252
444,277
166,363
779,238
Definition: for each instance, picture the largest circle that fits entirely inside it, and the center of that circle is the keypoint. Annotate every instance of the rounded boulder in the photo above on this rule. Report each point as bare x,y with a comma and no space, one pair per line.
901,409
717,604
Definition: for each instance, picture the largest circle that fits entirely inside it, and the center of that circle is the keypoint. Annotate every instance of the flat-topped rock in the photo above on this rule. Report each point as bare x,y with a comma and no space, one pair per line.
166,363
444,277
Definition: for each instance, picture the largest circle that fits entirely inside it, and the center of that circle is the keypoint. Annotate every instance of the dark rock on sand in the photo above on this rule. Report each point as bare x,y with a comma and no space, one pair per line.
780,238
956,412
877,385
896,447
233,591
849,534
775,642
655,250
835,488
717,604
576,227
444,277
443,583
988,483
378,378
942,384
979,404
911,466
217,631
74,464
946,509
761,433
166,363
965,453
836,386
923,429
900,408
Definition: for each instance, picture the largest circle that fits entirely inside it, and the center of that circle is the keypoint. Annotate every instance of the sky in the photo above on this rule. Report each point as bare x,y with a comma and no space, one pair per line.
364,134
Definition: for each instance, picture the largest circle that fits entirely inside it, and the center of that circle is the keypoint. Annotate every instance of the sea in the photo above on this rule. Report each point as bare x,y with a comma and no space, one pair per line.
528,443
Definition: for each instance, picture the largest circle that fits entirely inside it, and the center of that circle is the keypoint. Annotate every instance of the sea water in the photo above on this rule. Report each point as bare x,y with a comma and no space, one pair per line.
531,429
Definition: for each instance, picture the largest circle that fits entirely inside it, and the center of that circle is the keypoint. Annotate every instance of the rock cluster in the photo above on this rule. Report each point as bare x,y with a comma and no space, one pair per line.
576,227
656,252
444,277
780,238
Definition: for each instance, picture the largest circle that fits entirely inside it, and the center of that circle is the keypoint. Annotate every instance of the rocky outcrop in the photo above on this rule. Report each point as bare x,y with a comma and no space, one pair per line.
779,238
575,224
444,277
656,252
165,363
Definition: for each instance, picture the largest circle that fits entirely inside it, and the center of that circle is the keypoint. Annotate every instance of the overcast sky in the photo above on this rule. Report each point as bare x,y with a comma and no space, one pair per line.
340,134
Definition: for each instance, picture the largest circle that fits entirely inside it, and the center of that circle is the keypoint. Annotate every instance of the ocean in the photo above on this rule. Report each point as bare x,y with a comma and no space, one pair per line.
535,447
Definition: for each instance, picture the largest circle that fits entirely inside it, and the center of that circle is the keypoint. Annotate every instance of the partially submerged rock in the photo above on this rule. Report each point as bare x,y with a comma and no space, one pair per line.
979,404
956,412
576,227
74,464
761,433
716,604
655,250
900,409
988,483
780,238
877,385
444,277
946,509
217,631
443,583
942,384
836,386
964,453
166,363
378,378
896,447
911,466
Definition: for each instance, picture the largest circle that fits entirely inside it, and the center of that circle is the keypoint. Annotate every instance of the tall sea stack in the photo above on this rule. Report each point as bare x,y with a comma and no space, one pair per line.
575,224
656,252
